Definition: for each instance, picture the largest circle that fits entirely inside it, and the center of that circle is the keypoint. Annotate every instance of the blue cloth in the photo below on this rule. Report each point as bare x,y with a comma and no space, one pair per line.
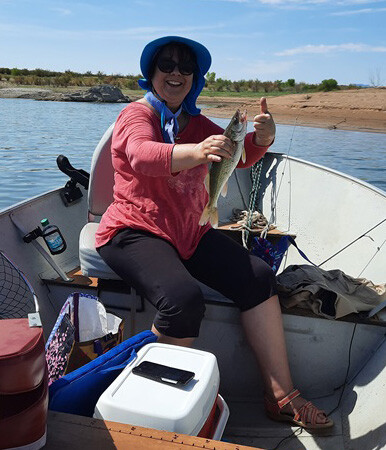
273,254
169,122
204,61
78,391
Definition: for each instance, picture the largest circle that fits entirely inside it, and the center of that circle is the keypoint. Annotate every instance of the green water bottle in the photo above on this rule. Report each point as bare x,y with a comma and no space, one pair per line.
53,238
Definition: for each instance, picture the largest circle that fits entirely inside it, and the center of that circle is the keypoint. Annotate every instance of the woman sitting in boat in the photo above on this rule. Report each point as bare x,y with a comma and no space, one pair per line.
151,237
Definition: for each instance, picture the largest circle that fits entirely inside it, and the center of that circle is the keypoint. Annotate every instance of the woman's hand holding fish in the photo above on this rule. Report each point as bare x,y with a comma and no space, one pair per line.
214,149
264,125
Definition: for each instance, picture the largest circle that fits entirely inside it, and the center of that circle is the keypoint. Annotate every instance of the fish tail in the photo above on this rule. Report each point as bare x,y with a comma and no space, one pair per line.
210,214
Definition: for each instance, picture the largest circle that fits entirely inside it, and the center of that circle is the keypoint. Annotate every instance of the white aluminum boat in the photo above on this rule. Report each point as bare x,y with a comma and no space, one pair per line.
338,221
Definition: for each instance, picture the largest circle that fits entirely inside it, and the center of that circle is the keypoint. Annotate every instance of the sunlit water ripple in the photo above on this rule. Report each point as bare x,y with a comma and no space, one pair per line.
33,133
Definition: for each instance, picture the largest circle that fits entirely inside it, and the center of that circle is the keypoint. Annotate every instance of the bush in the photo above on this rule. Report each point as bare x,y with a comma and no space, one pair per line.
42,77
291,82
328,85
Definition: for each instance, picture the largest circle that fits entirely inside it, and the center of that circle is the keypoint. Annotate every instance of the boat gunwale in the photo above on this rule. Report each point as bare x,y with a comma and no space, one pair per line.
333,171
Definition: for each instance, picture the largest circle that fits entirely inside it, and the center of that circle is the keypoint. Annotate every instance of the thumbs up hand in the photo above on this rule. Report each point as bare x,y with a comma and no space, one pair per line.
264,125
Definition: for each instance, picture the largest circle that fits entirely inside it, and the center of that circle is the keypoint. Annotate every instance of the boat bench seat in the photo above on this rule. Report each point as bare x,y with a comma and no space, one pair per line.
100,196
91,263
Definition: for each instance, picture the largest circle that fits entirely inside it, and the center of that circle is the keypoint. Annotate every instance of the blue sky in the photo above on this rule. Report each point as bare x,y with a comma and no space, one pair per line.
309,40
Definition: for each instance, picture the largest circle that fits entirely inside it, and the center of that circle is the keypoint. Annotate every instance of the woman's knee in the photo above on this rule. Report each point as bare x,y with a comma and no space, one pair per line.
262,272
262,284
180,311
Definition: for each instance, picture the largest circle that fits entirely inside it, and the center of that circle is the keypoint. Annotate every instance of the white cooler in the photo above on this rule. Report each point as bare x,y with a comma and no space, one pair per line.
195,409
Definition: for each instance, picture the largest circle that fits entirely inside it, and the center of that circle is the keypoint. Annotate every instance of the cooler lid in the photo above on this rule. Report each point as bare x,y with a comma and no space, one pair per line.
140,401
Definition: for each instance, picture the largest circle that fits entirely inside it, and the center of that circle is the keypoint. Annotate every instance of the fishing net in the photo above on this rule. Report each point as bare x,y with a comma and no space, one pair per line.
17,298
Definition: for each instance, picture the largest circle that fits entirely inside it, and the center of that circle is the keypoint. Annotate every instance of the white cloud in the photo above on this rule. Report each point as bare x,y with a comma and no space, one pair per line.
358,11
145,3
300,3
230,1
137,33
292,2
323,49
359,2
62,11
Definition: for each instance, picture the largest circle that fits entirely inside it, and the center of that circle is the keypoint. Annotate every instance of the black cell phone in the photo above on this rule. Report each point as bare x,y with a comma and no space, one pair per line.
163,374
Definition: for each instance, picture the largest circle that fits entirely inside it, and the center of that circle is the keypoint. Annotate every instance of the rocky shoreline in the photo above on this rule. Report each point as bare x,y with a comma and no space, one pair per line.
99,94
354,109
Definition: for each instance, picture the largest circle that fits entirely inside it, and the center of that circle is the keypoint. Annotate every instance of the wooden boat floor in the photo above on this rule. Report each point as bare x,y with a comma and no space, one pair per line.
67,431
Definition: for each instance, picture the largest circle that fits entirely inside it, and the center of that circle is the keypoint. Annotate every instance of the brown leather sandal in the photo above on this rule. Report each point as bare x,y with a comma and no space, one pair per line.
305,416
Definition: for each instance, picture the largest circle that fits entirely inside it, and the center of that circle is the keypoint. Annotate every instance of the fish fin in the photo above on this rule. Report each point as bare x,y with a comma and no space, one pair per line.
225,190
204,216
243,156
210,214
206,182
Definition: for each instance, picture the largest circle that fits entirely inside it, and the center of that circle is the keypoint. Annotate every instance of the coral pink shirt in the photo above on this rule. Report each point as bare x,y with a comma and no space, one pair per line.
147,196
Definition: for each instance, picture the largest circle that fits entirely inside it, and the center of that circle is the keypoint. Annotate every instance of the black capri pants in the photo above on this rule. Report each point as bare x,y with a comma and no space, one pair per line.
154,268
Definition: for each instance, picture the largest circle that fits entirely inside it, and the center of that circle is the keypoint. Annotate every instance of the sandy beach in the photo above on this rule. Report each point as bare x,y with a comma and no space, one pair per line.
354,109
358,109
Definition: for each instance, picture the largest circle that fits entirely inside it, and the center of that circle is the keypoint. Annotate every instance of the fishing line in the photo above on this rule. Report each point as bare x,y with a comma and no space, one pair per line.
353,242
368,359
286,160
344,385
255,175
275,195
240,191
377,251
295,433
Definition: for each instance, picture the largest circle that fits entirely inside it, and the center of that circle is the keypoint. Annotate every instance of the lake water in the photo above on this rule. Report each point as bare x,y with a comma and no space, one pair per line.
33,133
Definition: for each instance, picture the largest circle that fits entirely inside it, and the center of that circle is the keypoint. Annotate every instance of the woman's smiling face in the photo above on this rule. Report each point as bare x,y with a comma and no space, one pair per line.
174,86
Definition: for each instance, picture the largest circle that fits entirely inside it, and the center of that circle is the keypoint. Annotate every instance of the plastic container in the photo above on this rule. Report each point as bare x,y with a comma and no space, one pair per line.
216,422
135,400
53,237
23,386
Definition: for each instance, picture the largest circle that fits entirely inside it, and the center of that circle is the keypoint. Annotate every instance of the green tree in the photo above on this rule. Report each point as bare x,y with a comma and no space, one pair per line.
278,85
267,86
329,85
237,86
291,82
211,77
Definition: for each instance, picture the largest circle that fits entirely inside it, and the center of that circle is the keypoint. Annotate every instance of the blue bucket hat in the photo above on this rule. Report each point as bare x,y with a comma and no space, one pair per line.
203,63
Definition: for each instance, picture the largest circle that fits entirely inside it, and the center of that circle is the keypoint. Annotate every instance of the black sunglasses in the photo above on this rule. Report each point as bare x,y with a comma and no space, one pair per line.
167,65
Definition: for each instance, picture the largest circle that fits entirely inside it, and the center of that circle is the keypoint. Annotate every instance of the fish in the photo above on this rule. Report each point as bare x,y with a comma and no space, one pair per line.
216,181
